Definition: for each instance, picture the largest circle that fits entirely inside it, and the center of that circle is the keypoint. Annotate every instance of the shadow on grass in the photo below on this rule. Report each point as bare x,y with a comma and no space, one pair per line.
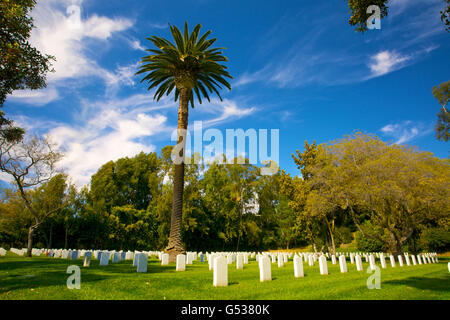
43,279
423,283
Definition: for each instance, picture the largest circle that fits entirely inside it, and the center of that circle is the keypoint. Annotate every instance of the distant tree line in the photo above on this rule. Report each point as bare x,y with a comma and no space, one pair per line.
389,197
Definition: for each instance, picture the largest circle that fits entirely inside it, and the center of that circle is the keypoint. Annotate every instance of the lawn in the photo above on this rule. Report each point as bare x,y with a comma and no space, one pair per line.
45,278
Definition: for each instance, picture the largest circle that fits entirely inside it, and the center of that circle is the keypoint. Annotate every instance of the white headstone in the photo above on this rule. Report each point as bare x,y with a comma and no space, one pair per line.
407,260
115,258
87,259
181,262
372,262
400,260
392,261
419,260
358,261
323,265
298,267
343,264
239,262
104,258
142,262
165,259
311,260
382,261
352,258
280,261
245,258
220,278
265,269
333,259
189,258
413,259
2,252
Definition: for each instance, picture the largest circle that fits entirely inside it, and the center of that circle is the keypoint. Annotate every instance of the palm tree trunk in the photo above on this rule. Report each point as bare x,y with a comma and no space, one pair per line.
175,245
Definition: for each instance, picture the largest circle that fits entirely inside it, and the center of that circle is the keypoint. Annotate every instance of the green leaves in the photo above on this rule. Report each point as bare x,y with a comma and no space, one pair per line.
188,63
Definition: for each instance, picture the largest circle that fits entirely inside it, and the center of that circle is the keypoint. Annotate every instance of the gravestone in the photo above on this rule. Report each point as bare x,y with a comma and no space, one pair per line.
352,258
181,262
135,260
285,258
392,261
343,264
428,259
333,259
323,265
104,258
220,277
202,257
298,267
413,259
311,260
245,258
2,252
280,261
372,262
189,258
407,260
211,261
115,257
383,261
400,260
358,261
229,259
142,263
87,259
265,269
165,259
239,262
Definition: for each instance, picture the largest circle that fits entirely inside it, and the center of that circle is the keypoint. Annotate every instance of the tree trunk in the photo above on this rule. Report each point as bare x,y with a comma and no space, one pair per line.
30,240
175,245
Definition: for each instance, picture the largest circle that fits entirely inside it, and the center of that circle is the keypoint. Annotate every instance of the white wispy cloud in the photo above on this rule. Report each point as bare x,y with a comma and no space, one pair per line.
61,31
386,61
406,131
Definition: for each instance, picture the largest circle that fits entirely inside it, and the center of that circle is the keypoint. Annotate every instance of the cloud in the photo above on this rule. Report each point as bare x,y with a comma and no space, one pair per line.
386,61
405,131
224,110
109,136
64,34
35,97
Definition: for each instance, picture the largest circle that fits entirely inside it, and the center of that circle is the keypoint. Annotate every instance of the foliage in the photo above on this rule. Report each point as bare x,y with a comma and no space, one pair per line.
442,94
436,239
359,15
21,65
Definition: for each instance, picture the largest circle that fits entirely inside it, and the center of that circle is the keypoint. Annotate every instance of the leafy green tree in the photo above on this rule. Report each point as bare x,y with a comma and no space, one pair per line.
30,163
395,187
189,66
21,65
442,94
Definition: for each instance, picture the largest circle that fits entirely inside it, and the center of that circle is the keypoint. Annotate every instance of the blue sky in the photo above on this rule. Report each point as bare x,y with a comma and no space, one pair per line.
297,66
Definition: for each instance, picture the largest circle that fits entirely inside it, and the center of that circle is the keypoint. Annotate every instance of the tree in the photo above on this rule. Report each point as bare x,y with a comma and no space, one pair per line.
395,187
445,16
189,66
358,9
21,65
30,163
442,94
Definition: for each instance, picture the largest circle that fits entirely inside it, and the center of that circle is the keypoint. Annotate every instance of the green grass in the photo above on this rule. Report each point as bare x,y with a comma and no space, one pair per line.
45,278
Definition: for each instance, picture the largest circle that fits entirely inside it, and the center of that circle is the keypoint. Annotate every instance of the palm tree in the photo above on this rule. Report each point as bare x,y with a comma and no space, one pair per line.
189,66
